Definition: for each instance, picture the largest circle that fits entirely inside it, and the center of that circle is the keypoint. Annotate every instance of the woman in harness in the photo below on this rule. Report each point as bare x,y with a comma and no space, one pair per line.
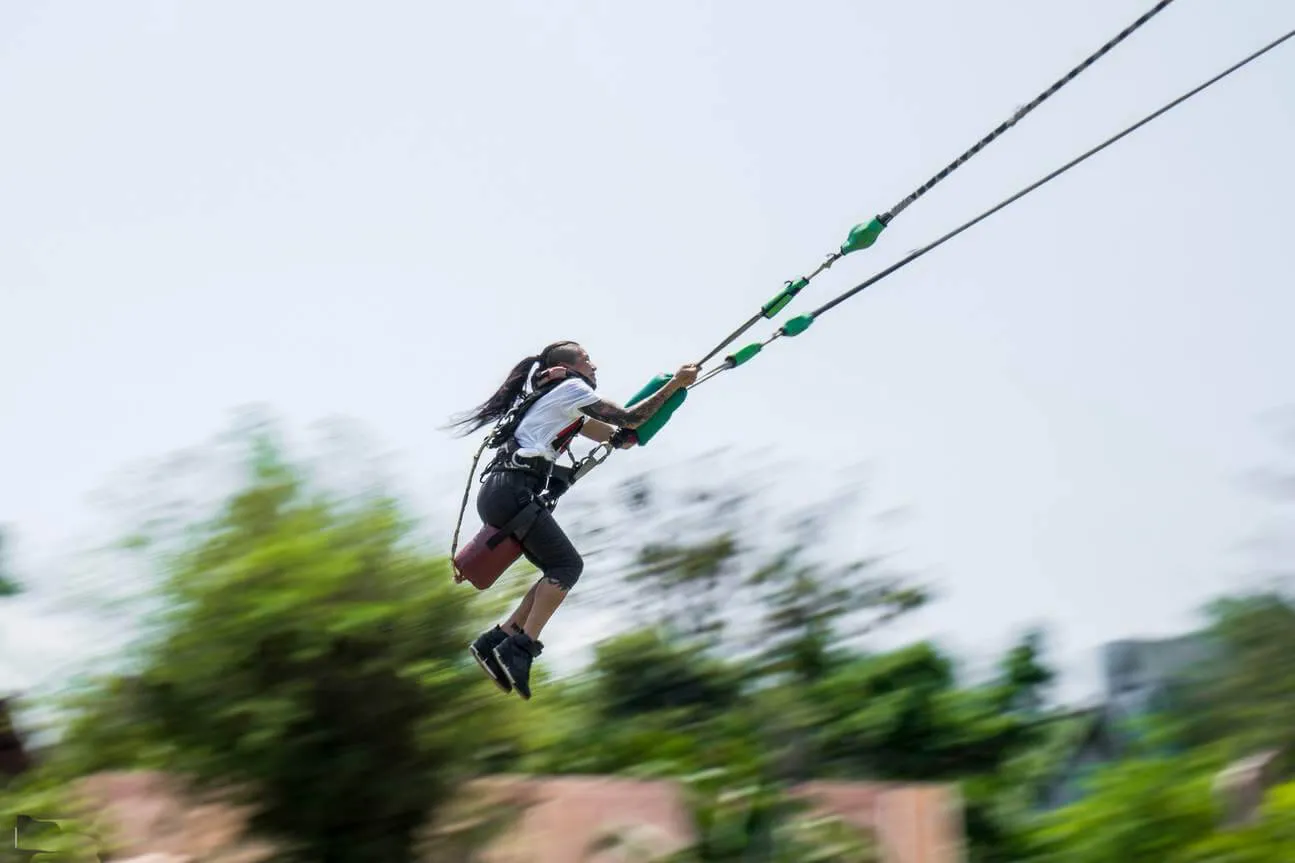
564,379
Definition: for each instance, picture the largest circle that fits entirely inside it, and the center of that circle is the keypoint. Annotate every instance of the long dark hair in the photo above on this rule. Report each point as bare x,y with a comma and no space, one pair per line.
498,404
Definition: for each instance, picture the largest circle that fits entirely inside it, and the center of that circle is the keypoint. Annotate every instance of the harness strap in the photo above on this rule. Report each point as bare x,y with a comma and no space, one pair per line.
564,438
519,525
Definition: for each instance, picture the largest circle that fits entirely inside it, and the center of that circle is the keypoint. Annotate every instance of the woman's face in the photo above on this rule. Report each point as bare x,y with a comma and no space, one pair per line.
584,365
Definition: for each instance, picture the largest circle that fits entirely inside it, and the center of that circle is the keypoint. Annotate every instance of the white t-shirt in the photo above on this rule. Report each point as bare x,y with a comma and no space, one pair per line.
554,412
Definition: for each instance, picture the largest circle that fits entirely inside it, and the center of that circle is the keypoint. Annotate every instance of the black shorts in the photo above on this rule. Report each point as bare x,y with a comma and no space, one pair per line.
503,494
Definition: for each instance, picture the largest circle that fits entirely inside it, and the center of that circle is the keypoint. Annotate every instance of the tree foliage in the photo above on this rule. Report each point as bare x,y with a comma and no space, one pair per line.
1026,678
8,586
1163,809
1245,695
1143,809
307,649
727,566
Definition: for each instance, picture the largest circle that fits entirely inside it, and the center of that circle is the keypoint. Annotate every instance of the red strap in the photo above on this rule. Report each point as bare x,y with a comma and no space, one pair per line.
564,437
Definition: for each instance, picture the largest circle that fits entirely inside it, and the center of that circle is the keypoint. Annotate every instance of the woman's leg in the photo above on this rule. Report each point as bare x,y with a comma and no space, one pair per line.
554,554
506,652
547,544
547,599
501,496
517,619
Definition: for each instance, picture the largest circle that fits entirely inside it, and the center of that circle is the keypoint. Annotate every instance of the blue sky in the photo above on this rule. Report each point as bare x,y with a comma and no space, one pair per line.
372,212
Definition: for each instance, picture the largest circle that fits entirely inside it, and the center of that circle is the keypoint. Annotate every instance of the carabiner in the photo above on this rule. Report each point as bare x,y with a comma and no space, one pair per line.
592,460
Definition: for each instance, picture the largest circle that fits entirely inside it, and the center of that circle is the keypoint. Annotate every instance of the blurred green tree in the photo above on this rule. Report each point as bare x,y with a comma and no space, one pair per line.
729,566
1151,810
1026,678
1163,810
8,586
1244,696
1269,839
303,646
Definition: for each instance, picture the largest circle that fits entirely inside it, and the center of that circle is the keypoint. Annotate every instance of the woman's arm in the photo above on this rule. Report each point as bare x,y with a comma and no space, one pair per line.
622,438
596,431
613,414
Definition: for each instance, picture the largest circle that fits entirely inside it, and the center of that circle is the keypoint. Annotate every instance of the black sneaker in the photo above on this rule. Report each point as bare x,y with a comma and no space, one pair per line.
515,654
483,651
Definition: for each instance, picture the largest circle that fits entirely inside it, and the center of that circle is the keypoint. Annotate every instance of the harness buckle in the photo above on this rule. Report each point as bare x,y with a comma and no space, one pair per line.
592,460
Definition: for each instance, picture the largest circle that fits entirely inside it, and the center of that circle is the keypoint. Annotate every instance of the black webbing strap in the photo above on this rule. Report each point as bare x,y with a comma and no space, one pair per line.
517,526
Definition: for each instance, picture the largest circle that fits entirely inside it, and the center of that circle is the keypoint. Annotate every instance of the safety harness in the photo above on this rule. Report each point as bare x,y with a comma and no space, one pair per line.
504,437
558,479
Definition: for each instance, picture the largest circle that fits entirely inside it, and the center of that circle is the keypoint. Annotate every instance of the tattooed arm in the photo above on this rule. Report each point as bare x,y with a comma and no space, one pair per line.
613,414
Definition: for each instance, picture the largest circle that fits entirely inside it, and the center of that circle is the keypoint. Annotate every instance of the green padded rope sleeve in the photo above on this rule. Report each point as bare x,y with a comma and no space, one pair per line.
736,359
650,387
797,325
785,296
649,429
862,236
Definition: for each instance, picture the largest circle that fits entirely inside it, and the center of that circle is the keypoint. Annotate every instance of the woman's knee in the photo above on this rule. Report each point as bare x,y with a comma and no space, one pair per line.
566,571
556,555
